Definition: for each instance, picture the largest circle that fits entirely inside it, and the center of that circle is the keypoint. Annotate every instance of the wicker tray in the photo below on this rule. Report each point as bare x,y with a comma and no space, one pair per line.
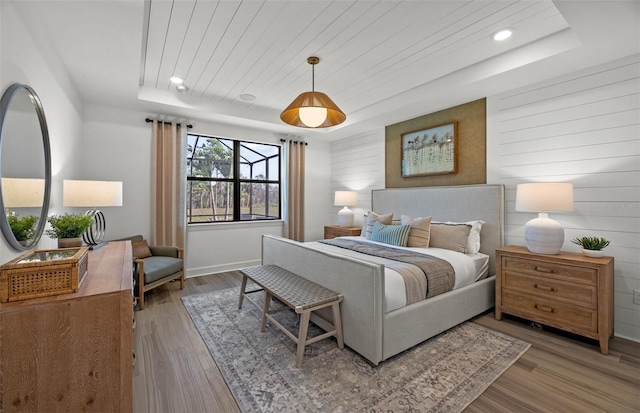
43,273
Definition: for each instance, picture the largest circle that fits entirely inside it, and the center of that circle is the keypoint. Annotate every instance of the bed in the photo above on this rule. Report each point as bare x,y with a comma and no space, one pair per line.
368,328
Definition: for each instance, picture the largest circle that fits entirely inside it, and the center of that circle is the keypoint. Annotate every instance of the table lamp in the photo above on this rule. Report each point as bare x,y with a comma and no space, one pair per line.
346,199
543,235
92,194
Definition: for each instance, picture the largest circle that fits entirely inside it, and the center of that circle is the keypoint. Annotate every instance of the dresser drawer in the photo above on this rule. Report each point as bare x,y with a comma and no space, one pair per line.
574,293
566,316
558,271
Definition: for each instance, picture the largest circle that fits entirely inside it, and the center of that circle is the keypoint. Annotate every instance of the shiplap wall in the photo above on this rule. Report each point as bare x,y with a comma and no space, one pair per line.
357,164
582,128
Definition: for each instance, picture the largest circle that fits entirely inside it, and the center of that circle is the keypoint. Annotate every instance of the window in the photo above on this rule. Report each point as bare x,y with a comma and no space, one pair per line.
230,180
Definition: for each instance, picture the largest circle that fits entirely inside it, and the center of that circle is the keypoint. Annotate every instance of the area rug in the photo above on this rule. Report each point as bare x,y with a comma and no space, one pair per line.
443,374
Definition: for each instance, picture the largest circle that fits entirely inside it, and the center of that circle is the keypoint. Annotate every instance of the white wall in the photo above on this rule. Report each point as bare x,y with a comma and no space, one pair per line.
357,164
27,58
117,146
582,128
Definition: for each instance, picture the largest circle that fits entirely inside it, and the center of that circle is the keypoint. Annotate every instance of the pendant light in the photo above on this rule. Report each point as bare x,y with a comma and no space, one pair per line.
313,109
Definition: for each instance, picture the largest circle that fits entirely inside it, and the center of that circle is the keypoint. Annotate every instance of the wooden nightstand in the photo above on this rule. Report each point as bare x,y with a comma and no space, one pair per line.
335,231
567,291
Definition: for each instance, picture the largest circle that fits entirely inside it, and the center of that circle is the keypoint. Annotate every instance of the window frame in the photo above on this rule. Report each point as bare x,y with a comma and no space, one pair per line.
238,181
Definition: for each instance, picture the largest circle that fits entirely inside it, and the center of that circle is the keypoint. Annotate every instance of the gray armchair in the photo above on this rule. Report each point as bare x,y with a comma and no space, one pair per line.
155,266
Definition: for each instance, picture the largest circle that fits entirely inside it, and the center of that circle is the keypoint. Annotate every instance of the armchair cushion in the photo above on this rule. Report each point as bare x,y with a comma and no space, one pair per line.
158,267
141,249
165,251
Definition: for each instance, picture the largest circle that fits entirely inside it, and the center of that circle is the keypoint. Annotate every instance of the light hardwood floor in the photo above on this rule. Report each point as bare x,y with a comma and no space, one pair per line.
174,371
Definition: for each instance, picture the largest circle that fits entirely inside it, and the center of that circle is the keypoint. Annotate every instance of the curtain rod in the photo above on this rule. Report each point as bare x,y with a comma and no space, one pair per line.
284,140
149,120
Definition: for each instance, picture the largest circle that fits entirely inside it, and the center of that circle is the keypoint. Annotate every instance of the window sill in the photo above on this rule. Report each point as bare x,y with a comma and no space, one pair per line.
210,226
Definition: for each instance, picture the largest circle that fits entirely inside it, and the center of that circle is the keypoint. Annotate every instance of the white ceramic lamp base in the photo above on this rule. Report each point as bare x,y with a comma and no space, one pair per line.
544,235
345,217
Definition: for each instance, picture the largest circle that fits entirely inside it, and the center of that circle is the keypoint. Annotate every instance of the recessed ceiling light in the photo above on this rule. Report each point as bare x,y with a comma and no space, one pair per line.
182,88
502,34
247,97
175,79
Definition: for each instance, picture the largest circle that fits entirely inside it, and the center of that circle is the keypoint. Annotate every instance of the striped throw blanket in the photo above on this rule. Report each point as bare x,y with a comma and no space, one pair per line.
424,276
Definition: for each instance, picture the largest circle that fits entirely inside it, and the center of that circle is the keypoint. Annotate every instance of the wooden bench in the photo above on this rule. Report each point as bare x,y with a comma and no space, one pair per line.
298,293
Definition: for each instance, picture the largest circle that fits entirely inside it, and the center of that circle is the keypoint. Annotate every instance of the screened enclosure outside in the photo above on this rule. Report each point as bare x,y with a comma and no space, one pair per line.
230,180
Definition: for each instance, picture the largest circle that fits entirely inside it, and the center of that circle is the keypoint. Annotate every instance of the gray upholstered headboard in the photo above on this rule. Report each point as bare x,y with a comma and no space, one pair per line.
450,203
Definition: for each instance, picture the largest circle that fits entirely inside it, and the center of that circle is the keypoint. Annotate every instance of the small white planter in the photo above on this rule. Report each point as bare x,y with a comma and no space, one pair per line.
593,253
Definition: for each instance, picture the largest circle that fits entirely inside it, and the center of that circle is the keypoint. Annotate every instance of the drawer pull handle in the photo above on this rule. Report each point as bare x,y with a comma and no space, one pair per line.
545,308
545,270
545,288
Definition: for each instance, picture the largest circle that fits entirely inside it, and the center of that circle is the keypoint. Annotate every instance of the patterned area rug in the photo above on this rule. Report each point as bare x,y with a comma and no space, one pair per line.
443,374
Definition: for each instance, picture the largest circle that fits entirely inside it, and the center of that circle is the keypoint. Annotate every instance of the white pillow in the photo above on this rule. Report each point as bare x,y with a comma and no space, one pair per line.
473,240
371,219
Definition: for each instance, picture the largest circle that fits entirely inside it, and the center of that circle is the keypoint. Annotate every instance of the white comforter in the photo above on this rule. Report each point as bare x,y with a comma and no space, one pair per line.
467,268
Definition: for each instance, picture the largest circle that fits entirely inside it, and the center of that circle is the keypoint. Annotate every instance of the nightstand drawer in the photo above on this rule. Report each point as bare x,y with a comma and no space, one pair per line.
558,271
580,294
335,231
566,316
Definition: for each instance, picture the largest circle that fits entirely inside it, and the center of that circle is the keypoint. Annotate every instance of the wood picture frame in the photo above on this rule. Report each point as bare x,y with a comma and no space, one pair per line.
430,151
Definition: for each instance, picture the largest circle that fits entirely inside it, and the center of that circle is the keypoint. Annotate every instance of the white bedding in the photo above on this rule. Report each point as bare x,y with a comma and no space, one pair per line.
467,268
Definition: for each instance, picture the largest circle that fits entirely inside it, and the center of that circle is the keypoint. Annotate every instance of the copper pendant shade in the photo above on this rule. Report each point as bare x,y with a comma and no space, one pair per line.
309,100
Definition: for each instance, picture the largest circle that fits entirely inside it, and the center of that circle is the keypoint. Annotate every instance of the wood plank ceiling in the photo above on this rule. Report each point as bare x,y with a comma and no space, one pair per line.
369,50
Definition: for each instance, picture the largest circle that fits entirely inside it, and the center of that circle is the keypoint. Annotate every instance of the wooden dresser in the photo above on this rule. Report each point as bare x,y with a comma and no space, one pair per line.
335,231
567,291
72,352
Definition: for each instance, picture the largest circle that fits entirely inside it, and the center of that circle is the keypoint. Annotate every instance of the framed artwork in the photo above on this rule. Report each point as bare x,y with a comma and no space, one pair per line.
430,151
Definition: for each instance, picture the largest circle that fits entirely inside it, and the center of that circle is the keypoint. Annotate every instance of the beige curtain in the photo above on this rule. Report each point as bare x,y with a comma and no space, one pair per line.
168,184
294,190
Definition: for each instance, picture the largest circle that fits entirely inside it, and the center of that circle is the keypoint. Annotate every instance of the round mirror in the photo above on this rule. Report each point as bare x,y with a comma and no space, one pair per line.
25,167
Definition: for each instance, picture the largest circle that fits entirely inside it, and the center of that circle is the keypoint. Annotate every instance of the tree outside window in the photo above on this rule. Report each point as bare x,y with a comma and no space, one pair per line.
232,180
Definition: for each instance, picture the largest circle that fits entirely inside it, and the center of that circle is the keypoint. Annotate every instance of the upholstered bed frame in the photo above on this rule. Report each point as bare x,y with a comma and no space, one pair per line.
367,329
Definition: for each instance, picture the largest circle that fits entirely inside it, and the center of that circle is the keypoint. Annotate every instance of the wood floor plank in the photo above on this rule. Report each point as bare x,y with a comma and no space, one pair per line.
174,371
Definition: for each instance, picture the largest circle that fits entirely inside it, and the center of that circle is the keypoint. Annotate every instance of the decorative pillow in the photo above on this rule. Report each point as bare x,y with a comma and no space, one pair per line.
371,219
391,234
141,249
419,234
473,241
449,236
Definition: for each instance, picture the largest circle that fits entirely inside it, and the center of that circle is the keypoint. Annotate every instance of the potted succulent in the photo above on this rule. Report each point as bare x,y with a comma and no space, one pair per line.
592,246
23,228
68,229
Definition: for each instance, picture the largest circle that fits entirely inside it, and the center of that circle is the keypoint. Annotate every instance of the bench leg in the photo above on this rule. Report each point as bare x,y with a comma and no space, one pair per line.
302,336
265,309
337,324
243,288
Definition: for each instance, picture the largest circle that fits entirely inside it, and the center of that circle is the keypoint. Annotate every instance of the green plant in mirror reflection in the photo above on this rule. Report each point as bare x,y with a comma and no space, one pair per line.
23,228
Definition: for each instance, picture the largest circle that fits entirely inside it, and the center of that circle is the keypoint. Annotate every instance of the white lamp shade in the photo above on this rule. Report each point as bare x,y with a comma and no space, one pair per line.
22,192
544,196
346,198
91,194
544,235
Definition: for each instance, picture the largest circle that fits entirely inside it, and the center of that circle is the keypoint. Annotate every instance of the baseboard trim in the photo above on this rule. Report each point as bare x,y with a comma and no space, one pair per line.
214,269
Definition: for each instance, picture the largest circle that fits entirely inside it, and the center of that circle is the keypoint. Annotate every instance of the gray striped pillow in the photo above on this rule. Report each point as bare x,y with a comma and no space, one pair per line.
391,234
